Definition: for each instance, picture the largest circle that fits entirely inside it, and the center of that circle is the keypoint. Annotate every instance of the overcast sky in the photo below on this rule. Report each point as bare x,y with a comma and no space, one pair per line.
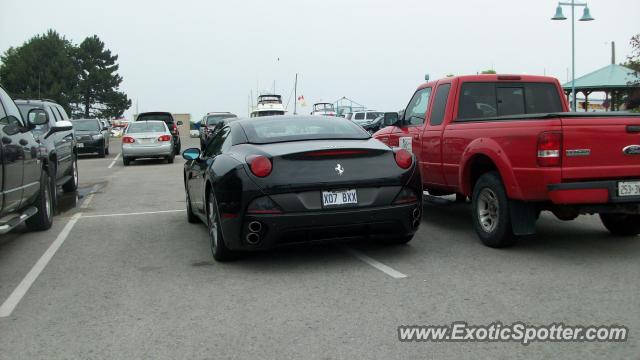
198,56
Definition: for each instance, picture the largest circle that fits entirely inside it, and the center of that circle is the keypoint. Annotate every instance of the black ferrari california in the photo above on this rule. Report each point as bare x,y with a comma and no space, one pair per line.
277,180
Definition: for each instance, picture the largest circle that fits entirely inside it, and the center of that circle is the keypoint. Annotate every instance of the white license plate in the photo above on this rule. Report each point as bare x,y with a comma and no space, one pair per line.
80,145
629,188
334,198
145,141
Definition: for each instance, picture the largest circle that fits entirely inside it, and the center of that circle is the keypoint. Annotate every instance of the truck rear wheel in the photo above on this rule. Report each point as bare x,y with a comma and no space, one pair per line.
43,219
491,217
621,224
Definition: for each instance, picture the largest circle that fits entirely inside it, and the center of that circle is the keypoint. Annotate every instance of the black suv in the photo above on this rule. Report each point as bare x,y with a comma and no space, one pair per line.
25,184
59,147
167,117
93,136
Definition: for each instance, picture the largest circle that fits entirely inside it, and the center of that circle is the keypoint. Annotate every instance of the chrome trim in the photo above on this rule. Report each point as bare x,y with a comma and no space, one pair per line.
20,188
578,152
631,150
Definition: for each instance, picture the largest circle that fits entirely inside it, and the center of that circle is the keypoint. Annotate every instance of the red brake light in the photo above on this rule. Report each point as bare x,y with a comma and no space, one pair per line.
549,148
128,140
164,138
322,153
404,159
260,165
509,77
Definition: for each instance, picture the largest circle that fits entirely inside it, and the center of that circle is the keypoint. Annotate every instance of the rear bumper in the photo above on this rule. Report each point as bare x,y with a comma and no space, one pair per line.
589,192
395,220
90,146
147,151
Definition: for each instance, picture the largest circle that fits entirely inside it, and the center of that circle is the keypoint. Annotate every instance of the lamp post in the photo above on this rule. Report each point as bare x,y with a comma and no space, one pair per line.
586,16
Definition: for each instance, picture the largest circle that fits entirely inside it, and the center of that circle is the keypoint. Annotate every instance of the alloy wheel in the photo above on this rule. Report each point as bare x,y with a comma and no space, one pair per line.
488,209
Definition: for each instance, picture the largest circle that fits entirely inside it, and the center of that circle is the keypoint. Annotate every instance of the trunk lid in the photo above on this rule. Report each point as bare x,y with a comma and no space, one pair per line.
600,146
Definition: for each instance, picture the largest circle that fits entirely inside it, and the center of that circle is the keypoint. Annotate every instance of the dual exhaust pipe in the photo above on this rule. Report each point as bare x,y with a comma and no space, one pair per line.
417,216
253,237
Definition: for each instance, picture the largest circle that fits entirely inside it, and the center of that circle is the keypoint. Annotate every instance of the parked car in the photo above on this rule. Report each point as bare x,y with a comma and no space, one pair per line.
147,139
366,119
92,136
208,123
25,184
58,146
509,143
168,119
282,179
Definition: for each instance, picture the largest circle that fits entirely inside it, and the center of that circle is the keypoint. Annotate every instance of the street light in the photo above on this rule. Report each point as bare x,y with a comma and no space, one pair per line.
586,16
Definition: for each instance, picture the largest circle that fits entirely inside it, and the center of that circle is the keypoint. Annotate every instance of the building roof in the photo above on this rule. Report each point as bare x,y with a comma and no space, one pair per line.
612,76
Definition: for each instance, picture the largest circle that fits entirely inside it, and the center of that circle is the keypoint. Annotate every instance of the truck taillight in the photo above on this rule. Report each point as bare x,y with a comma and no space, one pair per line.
549,148
128,140
174,129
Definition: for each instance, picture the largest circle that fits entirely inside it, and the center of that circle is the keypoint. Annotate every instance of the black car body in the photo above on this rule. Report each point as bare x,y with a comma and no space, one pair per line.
25,184
58,146
208,124
92,136
172,124
248,209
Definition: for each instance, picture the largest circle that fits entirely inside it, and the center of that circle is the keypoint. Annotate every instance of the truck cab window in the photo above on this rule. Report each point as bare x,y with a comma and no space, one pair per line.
439,105
417,108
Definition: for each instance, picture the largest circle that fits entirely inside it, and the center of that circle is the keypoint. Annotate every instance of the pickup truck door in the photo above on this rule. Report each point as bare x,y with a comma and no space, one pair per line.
432,138
407,134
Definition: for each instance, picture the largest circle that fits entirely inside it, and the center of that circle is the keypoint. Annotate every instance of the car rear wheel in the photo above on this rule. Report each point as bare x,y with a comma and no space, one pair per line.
171,157
491,211
621,224
126,161
219,249
43,219
102,151
72,184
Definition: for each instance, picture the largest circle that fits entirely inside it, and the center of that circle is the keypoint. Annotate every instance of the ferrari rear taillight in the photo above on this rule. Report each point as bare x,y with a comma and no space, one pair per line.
164,138
549,149
128,140
260,165
404,159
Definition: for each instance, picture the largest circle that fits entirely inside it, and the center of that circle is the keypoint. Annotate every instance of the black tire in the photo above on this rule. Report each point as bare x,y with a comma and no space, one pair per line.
43,219
72,184
106,151
461,198
126,161
171,157
103,150
621,224
53,187
219,249
191,217
490,207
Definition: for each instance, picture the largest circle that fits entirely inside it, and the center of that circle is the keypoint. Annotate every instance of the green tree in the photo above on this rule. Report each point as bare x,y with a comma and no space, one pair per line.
98,94
490,71
42,67
632,99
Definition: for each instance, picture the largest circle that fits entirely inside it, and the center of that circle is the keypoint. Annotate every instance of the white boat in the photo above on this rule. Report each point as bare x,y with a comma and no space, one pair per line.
268,105
323,109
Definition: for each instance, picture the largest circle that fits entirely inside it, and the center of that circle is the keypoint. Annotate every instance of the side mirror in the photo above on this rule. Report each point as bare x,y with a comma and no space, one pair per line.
11,124
37,117
191,154
179,123
390,119
60,126
105,128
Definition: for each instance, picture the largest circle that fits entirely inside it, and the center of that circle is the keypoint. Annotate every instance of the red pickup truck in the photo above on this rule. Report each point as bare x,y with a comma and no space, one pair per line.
509,144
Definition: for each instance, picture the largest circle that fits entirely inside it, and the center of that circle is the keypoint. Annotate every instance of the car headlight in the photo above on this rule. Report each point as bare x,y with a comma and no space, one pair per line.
96,137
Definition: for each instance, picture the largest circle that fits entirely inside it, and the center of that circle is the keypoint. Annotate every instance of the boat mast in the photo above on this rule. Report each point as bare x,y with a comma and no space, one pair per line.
295,96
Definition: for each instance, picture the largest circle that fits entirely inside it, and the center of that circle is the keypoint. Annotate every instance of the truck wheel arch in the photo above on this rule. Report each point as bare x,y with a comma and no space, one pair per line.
484,155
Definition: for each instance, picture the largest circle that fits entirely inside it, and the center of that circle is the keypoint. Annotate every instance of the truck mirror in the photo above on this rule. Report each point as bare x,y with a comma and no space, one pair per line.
390,119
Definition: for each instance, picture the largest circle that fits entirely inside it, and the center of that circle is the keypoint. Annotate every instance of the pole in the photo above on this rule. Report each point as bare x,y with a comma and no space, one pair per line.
573,55
295,96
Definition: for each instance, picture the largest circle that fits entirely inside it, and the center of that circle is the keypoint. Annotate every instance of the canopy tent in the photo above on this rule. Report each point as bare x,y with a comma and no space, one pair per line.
612,79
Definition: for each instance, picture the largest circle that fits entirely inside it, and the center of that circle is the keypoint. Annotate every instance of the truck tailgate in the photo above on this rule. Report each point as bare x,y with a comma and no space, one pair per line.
594,147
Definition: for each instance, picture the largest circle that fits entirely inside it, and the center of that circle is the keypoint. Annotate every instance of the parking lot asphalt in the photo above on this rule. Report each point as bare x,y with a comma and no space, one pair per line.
122,274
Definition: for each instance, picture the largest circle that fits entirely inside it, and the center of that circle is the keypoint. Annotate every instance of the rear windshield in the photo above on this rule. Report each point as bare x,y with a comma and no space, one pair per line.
86,125
214,119
490,100
296,129
162,117
146,127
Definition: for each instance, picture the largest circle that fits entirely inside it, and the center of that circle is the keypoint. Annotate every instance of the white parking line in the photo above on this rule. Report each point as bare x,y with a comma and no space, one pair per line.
376,264
12,301
87,201
114,161
133,213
